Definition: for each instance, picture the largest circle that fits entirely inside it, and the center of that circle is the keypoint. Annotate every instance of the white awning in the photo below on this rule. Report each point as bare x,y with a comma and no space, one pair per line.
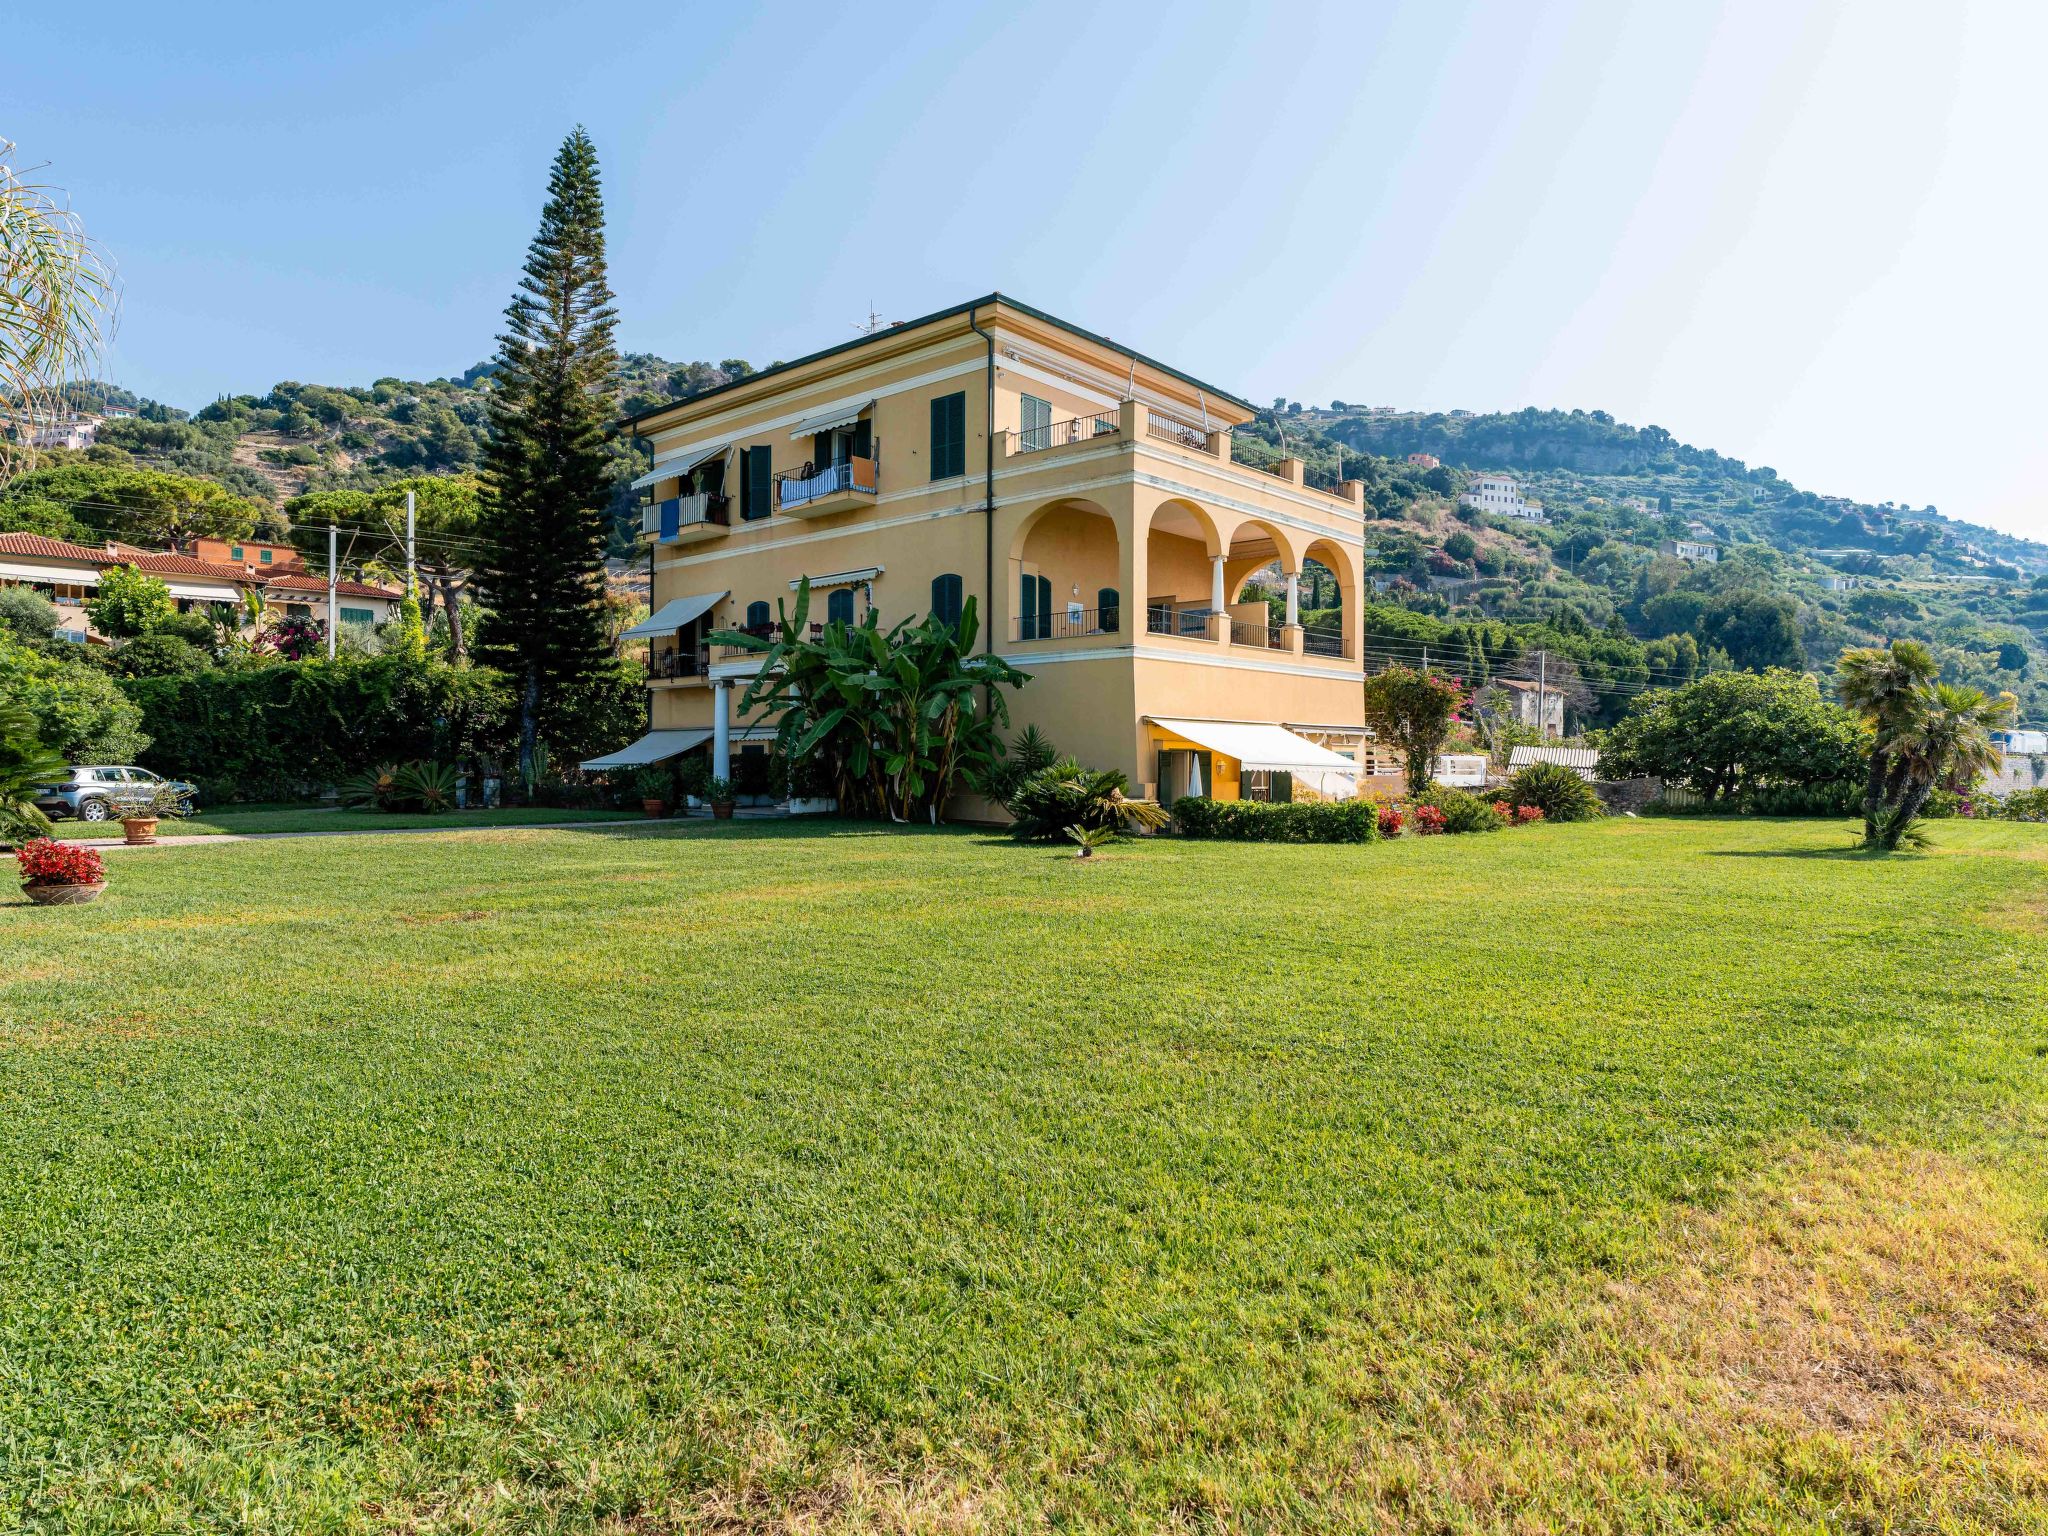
197,593
681,464
76,575
825,421
1259,746
839,578
674,614
654,747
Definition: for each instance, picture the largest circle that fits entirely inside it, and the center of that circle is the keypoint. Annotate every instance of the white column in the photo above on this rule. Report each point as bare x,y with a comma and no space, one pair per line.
721,731
1293,598
1216,582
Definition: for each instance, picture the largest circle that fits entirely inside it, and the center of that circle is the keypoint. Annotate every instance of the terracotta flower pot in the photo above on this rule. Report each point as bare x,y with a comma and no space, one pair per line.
139,829
49,893
722,809
653,807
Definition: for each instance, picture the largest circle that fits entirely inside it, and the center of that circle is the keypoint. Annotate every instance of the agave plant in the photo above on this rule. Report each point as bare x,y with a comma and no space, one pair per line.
903,718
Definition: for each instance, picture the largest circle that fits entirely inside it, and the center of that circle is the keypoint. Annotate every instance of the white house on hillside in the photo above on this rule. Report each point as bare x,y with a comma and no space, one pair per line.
1500,496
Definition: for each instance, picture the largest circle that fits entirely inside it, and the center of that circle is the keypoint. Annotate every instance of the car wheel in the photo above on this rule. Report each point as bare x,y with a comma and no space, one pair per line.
93,810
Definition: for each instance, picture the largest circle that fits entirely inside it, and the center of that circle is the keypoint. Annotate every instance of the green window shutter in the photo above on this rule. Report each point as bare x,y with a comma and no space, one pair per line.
949,436
757,488
821,449
1035,423
757,614
839,606
864,438
1108,609
1045,606
946,599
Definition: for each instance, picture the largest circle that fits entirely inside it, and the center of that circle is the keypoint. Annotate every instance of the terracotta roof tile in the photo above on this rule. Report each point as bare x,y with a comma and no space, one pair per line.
50,549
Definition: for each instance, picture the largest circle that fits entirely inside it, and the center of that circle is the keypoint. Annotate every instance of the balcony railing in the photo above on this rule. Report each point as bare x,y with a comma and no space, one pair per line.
1167,430
1325,642
1190,622
1067,624
667,520
1059,434
668,666
794,488
1269,637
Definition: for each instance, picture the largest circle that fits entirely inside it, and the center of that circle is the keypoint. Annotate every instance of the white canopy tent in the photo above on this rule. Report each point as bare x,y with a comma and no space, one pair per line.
1270,748
654,747
674,614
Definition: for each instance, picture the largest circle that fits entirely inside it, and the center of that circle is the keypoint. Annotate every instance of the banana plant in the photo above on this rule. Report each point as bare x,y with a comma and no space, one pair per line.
904,717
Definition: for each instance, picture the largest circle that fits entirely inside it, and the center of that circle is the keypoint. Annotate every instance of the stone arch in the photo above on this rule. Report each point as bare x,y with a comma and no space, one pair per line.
1065,572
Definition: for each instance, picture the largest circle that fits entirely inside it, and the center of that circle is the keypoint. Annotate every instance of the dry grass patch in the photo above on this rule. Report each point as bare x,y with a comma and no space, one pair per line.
1858,1341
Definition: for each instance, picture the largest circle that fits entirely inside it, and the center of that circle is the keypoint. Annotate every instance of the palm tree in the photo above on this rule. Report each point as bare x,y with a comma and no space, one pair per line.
57,299
1883,686
1947,739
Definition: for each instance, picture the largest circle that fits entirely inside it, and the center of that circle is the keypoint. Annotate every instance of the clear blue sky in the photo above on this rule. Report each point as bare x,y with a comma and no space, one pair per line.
1805,234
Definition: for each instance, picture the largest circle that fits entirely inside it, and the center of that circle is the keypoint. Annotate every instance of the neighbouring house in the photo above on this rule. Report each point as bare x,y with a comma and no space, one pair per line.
60,429
69,574
1834,582
2018,770
1696,529
1501,497
1532,705
1083,494
248,552
1584,761
1691,549
1425,460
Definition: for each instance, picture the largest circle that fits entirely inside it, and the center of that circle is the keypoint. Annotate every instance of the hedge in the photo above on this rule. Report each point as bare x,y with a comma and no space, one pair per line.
1259,821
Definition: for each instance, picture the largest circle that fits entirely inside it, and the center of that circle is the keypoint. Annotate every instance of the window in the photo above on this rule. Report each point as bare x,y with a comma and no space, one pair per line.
1034,608
1034,423
839,606
946,599
756,483
358,616
234,552
263,557
757,615
1109,609
949,436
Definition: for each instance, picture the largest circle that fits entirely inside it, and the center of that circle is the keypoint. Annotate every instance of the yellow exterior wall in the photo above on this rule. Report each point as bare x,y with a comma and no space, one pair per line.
1081,514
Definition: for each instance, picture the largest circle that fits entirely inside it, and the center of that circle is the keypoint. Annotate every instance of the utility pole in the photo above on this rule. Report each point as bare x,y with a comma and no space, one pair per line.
411,584
1542,680
332,556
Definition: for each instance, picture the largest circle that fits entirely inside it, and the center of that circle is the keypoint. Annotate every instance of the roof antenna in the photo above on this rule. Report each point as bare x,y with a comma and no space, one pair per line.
874,321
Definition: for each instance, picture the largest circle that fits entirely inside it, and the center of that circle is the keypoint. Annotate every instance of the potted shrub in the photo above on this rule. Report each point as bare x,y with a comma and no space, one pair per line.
652,784
58,874
694,778
141,812
719,793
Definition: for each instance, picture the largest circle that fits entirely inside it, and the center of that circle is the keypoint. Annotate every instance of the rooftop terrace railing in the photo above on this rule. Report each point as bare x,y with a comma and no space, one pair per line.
1058,434
1067,624
1167,430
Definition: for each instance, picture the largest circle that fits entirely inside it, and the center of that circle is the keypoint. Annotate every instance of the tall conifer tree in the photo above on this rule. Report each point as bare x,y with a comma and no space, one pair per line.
545,483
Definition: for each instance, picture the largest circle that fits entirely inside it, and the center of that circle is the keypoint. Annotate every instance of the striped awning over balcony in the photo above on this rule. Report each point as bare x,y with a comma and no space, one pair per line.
681,464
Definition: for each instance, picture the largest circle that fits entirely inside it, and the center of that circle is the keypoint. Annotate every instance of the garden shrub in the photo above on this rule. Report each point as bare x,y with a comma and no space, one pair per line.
1259,821
1555,790
1462,812
1068,795
2027,805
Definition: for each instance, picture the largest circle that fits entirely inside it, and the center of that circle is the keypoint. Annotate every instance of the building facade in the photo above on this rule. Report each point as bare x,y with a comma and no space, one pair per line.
1082,494
1691,549
1501,497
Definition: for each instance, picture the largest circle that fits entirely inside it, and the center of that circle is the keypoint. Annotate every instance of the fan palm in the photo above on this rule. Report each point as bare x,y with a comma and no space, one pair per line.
1884,686
1946,738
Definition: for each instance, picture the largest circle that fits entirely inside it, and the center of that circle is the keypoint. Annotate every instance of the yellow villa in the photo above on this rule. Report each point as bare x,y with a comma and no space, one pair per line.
1081,492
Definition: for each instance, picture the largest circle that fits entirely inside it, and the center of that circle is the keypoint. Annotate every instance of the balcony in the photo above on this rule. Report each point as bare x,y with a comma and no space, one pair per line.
1059,434
1190,623
673,665
835,488
686,519
1071,624
1165,429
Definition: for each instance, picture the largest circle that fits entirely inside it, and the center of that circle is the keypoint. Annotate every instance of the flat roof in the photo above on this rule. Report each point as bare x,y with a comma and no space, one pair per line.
932,319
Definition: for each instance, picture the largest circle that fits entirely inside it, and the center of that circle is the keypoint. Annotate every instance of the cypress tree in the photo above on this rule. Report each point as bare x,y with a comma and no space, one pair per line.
546,482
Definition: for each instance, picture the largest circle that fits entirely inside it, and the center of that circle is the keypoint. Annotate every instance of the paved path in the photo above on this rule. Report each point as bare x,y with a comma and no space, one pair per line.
750,813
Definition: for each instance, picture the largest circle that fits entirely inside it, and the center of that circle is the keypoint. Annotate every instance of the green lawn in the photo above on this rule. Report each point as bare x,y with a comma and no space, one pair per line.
327,818
1639,1176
